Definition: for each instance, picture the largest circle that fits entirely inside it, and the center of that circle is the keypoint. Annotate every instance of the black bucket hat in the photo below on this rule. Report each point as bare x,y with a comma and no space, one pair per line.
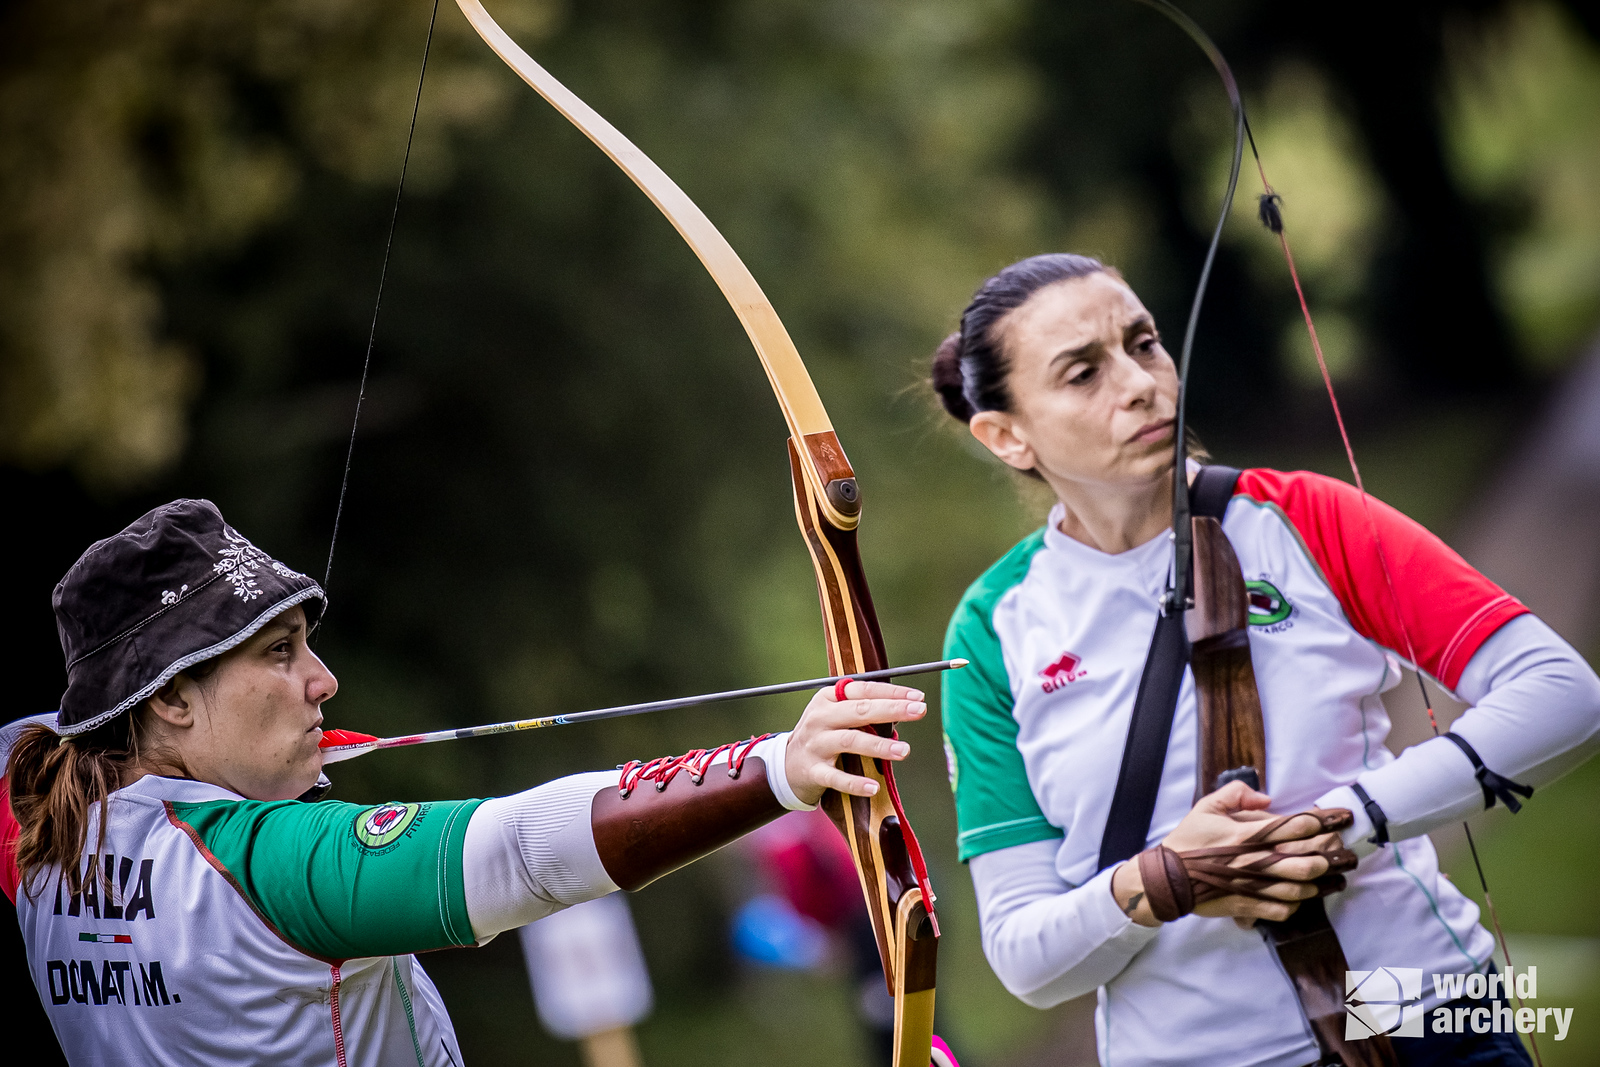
177,587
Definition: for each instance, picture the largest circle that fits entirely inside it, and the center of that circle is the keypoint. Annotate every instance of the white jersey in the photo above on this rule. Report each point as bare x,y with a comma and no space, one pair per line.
185,912
1058,633
211,929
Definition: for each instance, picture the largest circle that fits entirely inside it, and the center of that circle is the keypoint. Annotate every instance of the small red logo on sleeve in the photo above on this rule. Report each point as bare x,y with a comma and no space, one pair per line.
1066,669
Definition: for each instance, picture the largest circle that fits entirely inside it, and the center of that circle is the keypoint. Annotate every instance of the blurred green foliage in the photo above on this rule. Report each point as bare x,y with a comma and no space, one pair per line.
569,484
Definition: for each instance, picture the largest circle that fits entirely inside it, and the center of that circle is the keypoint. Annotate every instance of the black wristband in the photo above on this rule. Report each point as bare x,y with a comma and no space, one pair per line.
1380,821
1493,785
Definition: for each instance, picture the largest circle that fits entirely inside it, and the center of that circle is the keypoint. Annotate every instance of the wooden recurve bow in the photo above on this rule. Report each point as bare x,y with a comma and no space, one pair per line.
894,878
1209,587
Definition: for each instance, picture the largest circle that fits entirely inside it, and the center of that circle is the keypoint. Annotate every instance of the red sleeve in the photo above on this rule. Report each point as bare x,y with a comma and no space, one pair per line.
10,830
1448,608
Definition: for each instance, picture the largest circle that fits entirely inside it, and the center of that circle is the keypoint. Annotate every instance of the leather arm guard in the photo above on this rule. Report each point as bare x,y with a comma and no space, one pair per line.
669,812
1175,883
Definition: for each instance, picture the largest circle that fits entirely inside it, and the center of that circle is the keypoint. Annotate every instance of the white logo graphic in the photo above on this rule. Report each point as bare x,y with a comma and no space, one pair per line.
1385,1001
239,563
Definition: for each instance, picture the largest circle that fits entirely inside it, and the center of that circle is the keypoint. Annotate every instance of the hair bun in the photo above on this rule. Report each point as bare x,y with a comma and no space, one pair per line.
946,378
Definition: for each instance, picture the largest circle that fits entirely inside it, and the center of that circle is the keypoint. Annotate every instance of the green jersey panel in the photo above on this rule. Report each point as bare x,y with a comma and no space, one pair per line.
342,881
995,805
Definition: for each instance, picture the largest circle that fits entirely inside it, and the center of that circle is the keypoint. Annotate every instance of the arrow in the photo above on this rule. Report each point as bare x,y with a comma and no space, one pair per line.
339,745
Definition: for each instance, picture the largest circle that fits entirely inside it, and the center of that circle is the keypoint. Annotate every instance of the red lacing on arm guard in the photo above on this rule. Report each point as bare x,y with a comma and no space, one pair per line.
663,769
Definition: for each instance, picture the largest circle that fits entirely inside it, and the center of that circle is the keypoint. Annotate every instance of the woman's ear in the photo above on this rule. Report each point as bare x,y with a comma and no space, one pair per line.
998,432
173,703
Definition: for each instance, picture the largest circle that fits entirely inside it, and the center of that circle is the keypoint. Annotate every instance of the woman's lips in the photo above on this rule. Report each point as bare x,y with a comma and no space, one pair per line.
1153,431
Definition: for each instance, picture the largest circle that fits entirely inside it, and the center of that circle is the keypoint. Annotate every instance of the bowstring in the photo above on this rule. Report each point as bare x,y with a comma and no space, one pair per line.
1180,595
1388,579
377,304
1272,218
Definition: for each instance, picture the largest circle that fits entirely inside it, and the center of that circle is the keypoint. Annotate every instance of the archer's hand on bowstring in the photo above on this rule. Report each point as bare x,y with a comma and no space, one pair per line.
831,727
1298,857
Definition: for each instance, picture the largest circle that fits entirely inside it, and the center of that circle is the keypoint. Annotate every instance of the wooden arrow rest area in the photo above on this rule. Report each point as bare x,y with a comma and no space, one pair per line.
888,858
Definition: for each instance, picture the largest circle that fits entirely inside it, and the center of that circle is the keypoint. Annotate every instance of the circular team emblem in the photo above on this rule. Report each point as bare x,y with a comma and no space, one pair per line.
1267,605
382,826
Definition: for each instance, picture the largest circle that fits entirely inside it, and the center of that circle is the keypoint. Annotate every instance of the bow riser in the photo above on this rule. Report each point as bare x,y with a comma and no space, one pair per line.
915,971
888,858
1227,702
1231,737
855,643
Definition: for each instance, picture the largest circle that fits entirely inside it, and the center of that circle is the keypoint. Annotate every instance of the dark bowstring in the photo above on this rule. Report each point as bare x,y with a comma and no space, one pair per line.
1181,596
1271,215
377,305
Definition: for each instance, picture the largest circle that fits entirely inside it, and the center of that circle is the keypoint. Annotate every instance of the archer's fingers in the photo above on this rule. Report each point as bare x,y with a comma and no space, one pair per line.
1308,869
861,743
1292,890
852,713
1247,909
831,777
1325,843
1233,797
1313,824
879,691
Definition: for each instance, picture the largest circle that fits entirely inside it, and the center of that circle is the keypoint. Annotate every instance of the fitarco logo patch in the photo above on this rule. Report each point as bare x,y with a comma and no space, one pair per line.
382,826
1268,606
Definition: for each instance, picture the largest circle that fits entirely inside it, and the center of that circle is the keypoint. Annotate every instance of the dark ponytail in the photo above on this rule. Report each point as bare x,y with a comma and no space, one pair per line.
969,368
56,783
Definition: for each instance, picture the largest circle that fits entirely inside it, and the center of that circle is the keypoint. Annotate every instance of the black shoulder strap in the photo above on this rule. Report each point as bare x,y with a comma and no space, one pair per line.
1211,490
1145,754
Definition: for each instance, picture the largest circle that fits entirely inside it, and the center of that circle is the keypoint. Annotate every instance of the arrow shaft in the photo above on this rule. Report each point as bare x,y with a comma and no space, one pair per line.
336,753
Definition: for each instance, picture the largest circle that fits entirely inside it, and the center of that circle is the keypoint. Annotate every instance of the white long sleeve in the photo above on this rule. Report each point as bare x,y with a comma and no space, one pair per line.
533,853
1047,941
1535,715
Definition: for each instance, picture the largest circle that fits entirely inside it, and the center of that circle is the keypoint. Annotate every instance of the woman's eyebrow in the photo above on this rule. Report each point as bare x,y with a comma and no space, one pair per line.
1143,322
1082,351
280,626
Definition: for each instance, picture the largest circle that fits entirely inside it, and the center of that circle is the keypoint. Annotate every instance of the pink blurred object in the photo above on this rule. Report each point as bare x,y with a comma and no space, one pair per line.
942,1056
812,866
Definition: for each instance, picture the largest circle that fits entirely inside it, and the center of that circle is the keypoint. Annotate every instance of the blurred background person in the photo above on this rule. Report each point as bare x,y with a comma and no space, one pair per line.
816,919
589,979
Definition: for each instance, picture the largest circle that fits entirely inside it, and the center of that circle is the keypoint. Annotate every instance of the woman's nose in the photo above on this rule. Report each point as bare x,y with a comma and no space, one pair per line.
321,685
1138,384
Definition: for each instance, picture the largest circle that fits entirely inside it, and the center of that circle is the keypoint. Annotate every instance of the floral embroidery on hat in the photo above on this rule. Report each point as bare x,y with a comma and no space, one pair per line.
169,597
239,563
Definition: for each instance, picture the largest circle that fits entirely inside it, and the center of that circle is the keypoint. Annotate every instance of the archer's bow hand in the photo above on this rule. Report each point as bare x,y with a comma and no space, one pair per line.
831,727
1229,857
